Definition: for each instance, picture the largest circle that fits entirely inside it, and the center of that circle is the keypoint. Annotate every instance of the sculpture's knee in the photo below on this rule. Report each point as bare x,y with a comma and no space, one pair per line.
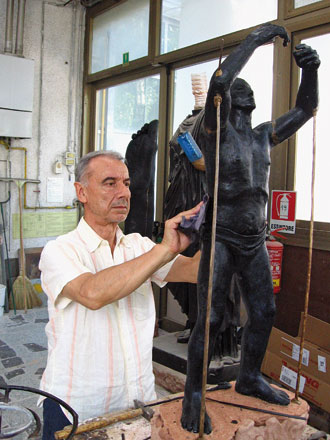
216,319
263,316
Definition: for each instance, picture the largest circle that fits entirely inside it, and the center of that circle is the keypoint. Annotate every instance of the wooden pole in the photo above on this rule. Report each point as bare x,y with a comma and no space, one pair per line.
22,254
309,267
217,101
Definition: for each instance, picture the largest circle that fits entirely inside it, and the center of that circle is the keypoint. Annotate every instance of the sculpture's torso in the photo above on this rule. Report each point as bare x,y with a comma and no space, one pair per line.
243,179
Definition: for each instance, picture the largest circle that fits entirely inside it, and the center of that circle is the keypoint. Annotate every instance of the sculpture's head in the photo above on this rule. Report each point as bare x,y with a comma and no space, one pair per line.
242,95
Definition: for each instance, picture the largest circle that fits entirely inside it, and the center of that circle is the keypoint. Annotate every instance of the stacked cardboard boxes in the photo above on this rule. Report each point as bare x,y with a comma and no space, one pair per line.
282,355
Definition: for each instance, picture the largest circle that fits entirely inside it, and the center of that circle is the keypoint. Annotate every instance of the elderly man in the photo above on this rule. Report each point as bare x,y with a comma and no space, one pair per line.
100,301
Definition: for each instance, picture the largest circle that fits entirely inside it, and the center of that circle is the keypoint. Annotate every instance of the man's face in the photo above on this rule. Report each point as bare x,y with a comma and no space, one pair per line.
105,191
242,95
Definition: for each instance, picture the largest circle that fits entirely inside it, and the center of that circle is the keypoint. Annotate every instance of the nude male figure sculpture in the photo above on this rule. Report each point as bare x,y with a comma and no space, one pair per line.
241,218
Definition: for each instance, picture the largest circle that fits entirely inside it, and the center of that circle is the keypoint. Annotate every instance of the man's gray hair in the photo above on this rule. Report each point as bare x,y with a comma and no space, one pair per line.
81,168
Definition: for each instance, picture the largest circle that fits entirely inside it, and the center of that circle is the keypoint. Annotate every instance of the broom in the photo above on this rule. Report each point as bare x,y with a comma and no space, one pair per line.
24,294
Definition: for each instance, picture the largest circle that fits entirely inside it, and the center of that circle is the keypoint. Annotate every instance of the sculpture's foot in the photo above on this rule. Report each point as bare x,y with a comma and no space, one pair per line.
259,387
184,336
191,415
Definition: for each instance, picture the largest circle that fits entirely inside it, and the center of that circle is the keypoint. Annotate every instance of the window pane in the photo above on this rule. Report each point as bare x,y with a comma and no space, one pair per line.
186,22
258,72
123,29
305,144
300,3
123,110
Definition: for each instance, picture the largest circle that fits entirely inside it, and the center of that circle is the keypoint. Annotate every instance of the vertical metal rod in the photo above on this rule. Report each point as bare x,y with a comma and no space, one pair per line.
103,118
9,27
22,253
20,28
309,267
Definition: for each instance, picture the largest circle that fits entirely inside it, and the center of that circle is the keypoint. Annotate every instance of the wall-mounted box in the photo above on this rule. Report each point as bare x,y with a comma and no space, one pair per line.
15,123
16,96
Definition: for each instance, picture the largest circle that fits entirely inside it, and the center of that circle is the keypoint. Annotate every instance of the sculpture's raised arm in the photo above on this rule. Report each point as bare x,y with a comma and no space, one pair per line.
307,98
231,67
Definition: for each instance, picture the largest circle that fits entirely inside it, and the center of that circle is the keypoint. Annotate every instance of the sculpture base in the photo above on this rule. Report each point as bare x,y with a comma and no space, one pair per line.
167,351
232,423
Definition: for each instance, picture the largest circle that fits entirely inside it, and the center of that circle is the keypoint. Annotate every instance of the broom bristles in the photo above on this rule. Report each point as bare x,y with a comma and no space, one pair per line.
32,298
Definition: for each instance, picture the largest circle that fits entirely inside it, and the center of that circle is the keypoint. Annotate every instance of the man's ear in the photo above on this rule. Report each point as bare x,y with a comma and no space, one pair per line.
80,191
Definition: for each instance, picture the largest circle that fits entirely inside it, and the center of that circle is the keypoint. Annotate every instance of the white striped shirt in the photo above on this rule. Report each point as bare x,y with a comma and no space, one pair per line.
99,361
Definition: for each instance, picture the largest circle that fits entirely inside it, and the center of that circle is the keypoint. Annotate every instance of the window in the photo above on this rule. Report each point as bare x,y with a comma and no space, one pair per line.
187,22
300,3
120,30
123,110
305,143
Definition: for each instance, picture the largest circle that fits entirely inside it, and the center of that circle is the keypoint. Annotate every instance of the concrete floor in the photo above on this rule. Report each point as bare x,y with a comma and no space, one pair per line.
23,357
23,354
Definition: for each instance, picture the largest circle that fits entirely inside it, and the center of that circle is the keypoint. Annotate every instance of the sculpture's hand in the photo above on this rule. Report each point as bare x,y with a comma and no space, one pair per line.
267,32
306,57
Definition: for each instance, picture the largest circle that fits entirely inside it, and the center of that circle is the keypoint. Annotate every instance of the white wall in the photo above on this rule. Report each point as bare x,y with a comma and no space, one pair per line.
53,38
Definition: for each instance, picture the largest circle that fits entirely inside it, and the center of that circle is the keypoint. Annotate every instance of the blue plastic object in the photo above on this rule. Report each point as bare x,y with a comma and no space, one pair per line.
189,146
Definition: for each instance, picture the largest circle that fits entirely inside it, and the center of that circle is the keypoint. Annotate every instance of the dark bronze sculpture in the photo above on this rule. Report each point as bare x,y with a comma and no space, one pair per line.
140,158
241,221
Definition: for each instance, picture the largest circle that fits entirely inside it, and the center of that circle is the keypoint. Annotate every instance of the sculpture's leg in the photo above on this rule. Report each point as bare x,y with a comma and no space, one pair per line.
257,289
221,285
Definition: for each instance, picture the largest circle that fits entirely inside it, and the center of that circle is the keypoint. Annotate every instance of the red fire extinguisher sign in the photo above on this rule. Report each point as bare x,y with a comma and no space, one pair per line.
283,211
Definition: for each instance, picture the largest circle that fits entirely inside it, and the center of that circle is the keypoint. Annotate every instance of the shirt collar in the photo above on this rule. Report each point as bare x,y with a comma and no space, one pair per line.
93,240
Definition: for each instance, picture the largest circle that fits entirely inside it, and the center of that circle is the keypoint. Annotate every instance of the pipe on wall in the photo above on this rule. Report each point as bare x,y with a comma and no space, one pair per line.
20,28
9,27
9,43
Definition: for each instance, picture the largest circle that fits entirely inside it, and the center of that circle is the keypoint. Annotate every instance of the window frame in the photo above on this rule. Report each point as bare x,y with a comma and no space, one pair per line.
308,20
291,11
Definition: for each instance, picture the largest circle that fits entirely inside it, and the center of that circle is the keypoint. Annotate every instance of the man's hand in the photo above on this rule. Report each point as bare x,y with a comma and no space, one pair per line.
306,57
174,240
267,32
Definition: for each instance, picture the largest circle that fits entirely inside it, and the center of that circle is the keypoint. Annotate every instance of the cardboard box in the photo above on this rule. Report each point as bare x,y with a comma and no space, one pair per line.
285,373
315,361
282,356
317,332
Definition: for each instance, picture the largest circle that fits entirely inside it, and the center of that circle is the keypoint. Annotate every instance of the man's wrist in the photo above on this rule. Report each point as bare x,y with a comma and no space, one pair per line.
164,252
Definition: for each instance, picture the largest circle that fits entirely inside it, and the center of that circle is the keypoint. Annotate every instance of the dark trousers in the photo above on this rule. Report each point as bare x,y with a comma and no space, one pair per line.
53,419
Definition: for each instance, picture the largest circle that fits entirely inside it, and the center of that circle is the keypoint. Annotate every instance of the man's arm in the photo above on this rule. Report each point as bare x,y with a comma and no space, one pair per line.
96,290
307,97
231,67
184,269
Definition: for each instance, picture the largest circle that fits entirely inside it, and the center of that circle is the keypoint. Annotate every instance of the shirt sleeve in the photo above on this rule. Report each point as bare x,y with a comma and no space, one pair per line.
59,264
159,276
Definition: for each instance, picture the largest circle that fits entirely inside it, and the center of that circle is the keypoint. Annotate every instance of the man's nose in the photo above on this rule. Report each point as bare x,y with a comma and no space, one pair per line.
123,191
